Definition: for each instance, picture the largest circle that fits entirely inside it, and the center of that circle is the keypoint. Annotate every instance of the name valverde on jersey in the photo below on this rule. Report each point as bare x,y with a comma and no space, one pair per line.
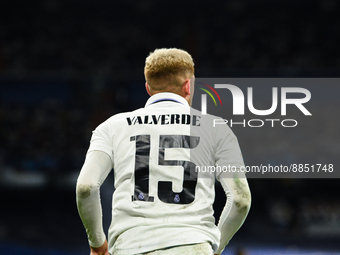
165,119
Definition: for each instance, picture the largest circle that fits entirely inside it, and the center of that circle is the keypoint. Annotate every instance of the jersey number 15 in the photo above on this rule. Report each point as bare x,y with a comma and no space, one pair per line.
164,192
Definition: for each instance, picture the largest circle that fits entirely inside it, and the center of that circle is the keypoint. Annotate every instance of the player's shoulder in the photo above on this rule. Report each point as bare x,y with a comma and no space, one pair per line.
207,116
209,119
213,125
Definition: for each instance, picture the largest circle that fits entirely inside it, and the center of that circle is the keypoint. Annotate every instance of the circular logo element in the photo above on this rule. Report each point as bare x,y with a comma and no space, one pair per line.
141,196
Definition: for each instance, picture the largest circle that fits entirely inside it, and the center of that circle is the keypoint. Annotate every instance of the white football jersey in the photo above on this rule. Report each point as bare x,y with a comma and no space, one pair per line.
159,201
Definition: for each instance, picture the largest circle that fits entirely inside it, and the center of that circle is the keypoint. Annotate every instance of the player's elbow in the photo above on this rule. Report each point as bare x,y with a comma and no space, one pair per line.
242,205
243,201
84,190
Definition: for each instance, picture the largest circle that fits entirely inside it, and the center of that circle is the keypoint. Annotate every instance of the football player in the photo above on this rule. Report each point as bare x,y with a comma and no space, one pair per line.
162,203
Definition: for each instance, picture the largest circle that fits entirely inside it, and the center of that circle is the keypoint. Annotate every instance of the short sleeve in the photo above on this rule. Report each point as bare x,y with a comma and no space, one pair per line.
101,139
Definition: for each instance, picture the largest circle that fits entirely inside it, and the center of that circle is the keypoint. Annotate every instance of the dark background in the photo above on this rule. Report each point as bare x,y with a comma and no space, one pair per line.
66,66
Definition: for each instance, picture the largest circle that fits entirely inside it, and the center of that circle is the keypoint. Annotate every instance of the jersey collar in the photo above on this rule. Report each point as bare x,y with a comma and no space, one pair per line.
166,96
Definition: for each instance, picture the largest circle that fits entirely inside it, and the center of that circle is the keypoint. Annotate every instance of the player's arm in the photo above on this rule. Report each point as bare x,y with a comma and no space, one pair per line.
234,183
93,173
236,208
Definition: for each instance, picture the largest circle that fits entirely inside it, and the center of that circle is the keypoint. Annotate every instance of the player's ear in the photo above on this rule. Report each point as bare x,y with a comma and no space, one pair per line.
186,87
148,88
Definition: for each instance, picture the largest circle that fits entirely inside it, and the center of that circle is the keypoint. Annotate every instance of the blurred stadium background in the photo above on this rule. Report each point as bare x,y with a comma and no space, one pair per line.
66,66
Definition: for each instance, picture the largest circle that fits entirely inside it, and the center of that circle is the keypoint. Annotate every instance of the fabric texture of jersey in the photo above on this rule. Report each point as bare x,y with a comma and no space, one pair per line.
159,202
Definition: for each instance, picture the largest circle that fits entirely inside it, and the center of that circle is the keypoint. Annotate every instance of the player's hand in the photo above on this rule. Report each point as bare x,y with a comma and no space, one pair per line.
102,250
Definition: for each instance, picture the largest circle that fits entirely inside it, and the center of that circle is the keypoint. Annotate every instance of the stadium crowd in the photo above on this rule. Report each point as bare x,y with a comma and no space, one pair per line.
106,40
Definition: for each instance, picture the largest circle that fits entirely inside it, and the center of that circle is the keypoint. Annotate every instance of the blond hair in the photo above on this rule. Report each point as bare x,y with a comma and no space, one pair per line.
167,69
